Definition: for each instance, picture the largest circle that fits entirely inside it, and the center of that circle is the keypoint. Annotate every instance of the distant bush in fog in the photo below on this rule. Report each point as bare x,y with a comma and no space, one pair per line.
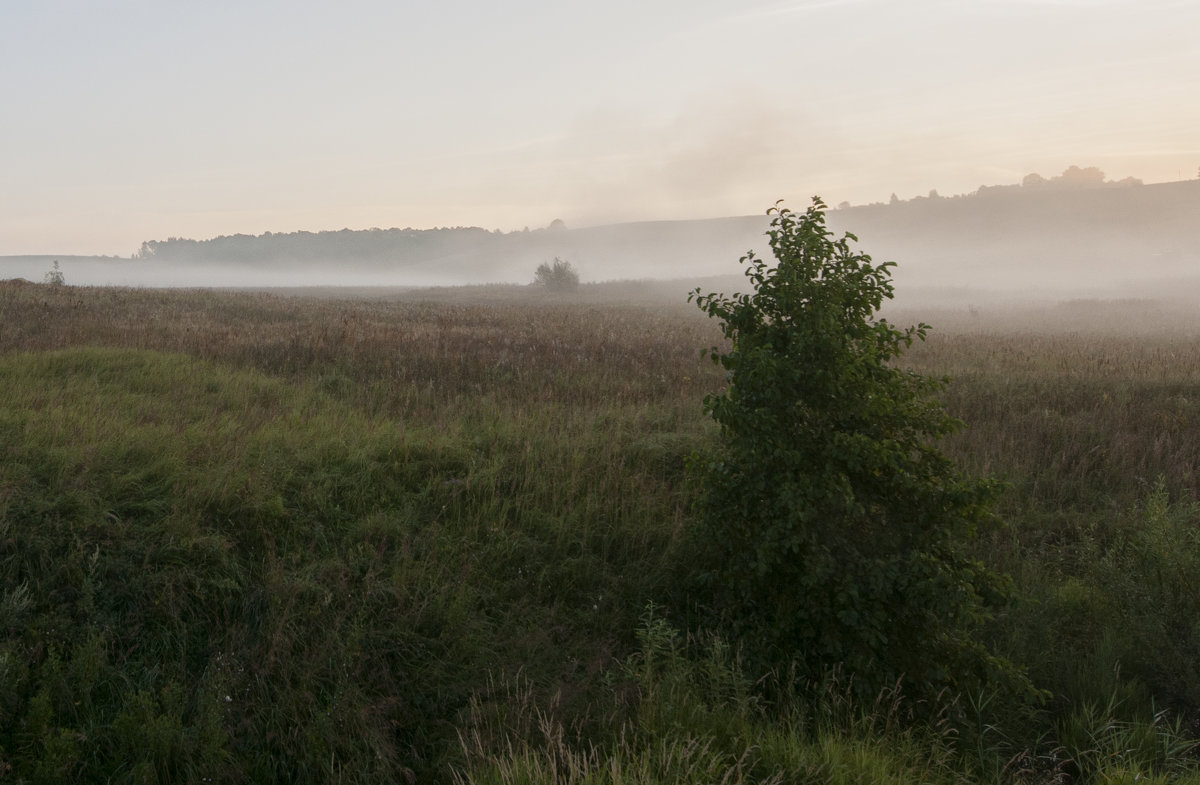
54,276
557,277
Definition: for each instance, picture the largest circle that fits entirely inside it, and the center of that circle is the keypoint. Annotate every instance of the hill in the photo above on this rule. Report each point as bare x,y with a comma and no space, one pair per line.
1044,237
1142,239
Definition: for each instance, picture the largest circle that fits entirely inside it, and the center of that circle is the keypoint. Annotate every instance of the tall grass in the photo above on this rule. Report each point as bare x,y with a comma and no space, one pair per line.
247,537
341,576
683,711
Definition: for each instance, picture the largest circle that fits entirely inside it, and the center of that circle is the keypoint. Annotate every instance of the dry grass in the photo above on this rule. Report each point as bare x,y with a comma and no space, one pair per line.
1106,394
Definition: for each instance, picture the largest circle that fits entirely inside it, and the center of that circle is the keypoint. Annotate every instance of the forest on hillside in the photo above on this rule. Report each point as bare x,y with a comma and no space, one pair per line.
1059,225
1075,234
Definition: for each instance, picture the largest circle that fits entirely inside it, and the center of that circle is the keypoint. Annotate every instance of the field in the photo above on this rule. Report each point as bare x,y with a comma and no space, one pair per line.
436,536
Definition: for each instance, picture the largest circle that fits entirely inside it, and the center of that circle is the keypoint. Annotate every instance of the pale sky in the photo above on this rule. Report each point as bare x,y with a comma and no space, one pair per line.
131,120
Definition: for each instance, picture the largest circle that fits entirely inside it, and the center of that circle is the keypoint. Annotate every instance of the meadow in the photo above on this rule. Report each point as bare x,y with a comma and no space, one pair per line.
437,536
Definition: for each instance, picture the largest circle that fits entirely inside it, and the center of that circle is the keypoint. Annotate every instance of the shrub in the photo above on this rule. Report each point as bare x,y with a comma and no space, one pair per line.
54,276
829,523
557,277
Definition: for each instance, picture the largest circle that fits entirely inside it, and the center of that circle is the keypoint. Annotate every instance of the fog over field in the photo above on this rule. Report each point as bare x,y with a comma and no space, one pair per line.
1042,239
632,123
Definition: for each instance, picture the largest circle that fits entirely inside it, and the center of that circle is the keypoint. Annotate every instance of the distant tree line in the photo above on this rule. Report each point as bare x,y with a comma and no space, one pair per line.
1073,178
384,245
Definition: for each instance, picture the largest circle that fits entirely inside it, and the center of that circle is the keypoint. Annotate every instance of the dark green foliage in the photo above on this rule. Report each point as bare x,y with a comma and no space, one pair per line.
1115,613
557,277
831,524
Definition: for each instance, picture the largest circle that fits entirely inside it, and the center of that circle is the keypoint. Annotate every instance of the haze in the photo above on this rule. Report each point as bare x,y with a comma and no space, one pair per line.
135,120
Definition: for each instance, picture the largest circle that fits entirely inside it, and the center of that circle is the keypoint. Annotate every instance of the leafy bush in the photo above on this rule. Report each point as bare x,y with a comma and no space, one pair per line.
557,277
830,525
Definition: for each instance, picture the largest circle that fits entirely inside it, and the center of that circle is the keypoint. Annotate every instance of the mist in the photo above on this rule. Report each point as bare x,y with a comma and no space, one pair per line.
1075,235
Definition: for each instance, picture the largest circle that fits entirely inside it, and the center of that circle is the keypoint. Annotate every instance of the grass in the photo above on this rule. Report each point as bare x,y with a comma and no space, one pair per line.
248,537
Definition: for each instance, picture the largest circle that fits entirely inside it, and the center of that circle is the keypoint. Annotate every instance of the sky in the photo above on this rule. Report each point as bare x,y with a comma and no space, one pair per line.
133,120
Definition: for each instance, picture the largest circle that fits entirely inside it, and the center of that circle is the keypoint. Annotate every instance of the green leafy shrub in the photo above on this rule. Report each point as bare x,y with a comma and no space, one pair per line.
830,524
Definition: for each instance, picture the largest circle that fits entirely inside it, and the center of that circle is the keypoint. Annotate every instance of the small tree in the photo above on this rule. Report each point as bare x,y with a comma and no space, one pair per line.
55,275
558,277
830,524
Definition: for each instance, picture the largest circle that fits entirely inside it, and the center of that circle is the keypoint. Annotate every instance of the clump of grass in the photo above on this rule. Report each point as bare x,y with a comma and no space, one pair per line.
684,711
1099,740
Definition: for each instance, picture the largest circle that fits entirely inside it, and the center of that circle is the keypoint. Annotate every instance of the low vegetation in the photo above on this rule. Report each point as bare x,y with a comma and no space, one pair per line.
443,537
557,277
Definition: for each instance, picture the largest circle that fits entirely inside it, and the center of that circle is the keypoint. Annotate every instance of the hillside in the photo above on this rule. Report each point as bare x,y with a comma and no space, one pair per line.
1109,240
1142,239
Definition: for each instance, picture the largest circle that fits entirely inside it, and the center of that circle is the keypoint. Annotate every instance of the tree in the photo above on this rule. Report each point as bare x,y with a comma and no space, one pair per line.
55,275
830,526
558,277
1075,177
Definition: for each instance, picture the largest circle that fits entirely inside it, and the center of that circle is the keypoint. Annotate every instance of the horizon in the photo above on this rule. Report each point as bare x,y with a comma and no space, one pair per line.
452,227
137,122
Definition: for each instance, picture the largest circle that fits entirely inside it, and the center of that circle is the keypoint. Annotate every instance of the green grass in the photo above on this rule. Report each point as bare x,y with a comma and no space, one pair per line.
684,711
252,538
182,532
